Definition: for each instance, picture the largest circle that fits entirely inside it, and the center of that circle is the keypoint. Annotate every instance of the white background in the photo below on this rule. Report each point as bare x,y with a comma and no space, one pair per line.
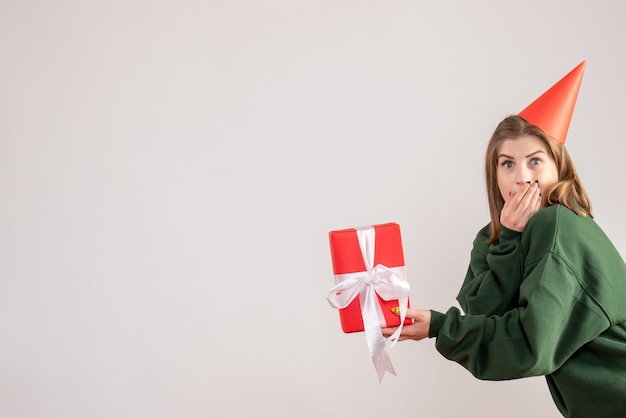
169,172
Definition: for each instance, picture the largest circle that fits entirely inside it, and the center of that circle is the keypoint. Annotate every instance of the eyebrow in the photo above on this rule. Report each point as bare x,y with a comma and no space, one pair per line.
528,156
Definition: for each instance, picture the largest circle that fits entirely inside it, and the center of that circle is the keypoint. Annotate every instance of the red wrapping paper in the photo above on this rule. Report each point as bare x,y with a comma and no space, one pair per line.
347,258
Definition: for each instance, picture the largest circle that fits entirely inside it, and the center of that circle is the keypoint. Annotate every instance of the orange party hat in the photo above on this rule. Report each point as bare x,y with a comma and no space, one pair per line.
552,111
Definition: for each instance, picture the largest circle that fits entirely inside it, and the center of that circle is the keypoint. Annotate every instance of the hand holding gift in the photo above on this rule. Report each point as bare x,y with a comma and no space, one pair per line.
418,330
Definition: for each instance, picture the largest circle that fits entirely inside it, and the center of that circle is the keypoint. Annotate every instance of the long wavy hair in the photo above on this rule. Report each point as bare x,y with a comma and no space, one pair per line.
568,191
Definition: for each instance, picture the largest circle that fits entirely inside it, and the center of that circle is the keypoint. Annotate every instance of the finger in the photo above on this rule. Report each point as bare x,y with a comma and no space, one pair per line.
388,331
538,204
410,313
514,208
529,202
522,193
527,199
513,204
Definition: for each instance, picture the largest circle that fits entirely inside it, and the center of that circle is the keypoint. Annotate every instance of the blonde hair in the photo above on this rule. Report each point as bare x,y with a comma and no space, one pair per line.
568,191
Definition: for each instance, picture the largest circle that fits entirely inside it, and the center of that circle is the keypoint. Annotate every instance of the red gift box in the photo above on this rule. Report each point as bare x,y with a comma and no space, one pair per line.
347,258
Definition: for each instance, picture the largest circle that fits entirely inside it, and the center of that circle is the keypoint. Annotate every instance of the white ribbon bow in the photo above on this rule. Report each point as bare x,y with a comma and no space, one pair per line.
389,283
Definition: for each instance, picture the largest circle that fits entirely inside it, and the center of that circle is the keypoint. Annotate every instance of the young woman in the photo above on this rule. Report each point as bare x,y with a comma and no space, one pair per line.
545,292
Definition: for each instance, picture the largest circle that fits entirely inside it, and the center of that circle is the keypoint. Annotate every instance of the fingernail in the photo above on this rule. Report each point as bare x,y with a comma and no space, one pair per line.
396,310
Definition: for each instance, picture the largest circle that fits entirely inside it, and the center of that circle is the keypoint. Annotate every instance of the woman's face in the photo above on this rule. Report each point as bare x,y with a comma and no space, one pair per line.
522,160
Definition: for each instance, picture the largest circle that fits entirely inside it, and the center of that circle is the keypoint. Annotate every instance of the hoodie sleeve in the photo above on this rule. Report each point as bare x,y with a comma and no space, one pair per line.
491,285
556,318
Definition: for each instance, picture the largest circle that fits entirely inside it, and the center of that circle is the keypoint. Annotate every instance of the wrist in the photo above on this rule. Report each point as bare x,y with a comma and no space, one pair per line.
507,233
436,322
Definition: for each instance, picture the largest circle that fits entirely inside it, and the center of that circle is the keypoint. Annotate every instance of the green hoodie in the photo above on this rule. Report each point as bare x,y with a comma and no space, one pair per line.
549,301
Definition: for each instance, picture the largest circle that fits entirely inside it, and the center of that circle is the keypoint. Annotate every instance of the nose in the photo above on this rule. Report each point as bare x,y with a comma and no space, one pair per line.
523,175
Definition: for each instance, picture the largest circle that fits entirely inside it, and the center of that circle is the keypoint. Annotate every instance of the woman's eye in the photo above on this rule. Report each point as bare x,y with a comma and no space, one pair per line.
507,164
535,161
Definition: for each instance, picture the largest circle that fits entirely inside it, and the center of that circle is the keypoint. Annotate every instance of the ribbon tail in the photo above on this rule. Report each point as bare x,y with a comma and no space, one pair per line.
382,362
403,302
373,334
